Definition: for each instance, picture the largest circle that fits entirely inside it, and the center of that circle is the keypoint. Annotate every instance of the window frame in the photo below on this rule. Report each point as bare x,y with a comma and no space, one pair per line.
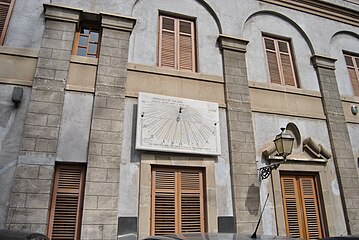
278,53
7,20
355,60
78,34
177,19
80,193
301,209
178,195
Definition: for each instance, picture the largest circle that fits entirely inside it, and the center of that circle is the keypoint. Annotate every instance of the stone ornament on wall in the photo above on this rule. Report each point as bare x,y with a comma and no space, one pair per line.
171,124
306,150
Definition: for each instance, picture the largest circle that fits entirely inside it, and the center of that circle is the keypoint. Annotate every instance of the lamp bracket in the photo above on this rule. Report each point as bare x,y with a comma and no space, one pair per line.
266,171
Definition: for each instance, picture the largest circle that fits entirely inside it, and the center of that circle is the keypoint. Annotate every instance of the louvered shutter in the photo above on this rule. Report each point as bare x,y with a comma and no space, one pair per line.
177,201
186,45
301,207
273,65
280,63
167,47
353,69
310,207
191,202
5,12
286,63
291,206
66,207
163,202
177,43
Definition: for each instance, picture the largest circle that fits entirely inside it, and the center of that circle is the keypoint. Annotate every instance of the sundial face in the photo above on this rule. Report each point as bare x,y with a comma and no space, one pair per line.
171,124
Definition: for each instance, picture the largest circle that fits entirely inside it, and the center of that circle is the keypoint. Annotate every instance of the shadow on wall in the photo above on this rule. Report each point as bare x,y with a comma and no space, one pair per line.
253,200
7,116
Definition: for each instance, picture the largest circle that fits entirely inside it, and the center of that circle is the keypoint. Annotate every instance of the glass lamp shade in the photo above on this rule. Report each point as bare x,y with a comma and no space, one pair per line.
284,144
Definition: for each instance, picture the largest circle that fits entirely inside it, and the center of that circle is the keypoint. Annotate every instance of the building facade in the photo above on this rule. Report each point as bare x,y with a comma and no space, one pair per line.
124,119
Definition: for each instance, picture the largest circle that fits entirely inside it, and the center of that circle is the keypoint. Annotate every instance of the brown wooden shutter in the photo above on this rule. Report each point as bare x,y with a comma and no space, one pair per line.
310,207
301,207
177,201
280,63
163,202
167,47
186,45
291,206
66,206
272,60
192,211
353,69
176,43
286,63
6,7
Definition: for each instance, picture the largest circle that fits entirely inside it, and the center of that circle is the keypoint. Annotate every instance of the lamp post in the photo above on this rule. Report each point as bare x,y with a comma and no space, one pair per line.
284,144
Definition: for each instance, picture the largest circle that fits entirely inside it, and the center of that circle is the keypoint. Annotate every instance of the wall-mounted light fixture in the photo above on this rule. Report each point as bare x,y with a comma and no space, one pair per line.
17,96
284,145
354,109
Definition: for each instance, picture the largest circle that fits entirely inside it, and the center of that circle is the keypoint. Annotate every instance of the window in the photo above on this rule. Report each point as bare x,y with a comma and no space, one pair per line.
6,7
353,68
87,41
66,205
176,44
301,206
177,200
280,62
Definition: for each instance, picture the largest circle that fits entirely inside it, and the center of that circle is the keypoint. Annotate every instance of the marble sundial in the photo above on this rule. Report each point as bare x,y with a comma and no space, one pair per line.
171,124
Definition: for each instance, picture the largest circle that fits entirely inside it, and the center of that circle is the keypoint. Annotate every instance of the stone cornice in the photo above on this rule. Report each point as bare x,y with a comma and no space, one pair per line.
324,62
232,43
62,13
321,8
118,22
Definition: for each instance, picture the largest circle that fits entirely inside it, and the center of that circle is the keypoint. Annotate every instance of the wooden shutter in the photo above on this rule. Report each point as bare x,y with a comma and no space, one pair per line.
280,63
273,65
177,201
6,7
301,208
163,206
192,211
186,45
176,43
310,208
66,206
353,69
167,47
291,206
286,63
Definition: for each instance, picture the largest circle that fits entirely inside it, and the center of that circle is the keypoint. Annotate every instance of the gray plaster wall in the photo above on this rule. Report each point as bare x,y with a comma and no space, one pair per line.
11,126
317,130
146,33
270,24
75,127
130,167
353,130
26,25
130,164
234,16
343,41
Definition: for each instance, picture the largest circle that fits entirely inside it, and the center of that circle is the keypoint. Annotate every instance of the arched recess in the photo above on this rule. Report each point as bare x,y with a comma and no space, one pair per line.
277,24
143,44
205,5
343,41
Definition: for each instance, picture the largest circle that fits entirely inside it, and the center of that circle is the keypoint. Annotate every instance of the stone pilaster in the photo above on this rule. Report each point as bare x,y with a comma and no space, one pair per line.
31,190
102,181
245,184
340,142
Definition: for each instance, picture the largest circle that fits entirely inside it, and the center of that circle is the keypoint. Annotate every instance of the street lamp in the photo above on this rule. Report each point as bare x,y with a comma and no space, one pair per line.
284,144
